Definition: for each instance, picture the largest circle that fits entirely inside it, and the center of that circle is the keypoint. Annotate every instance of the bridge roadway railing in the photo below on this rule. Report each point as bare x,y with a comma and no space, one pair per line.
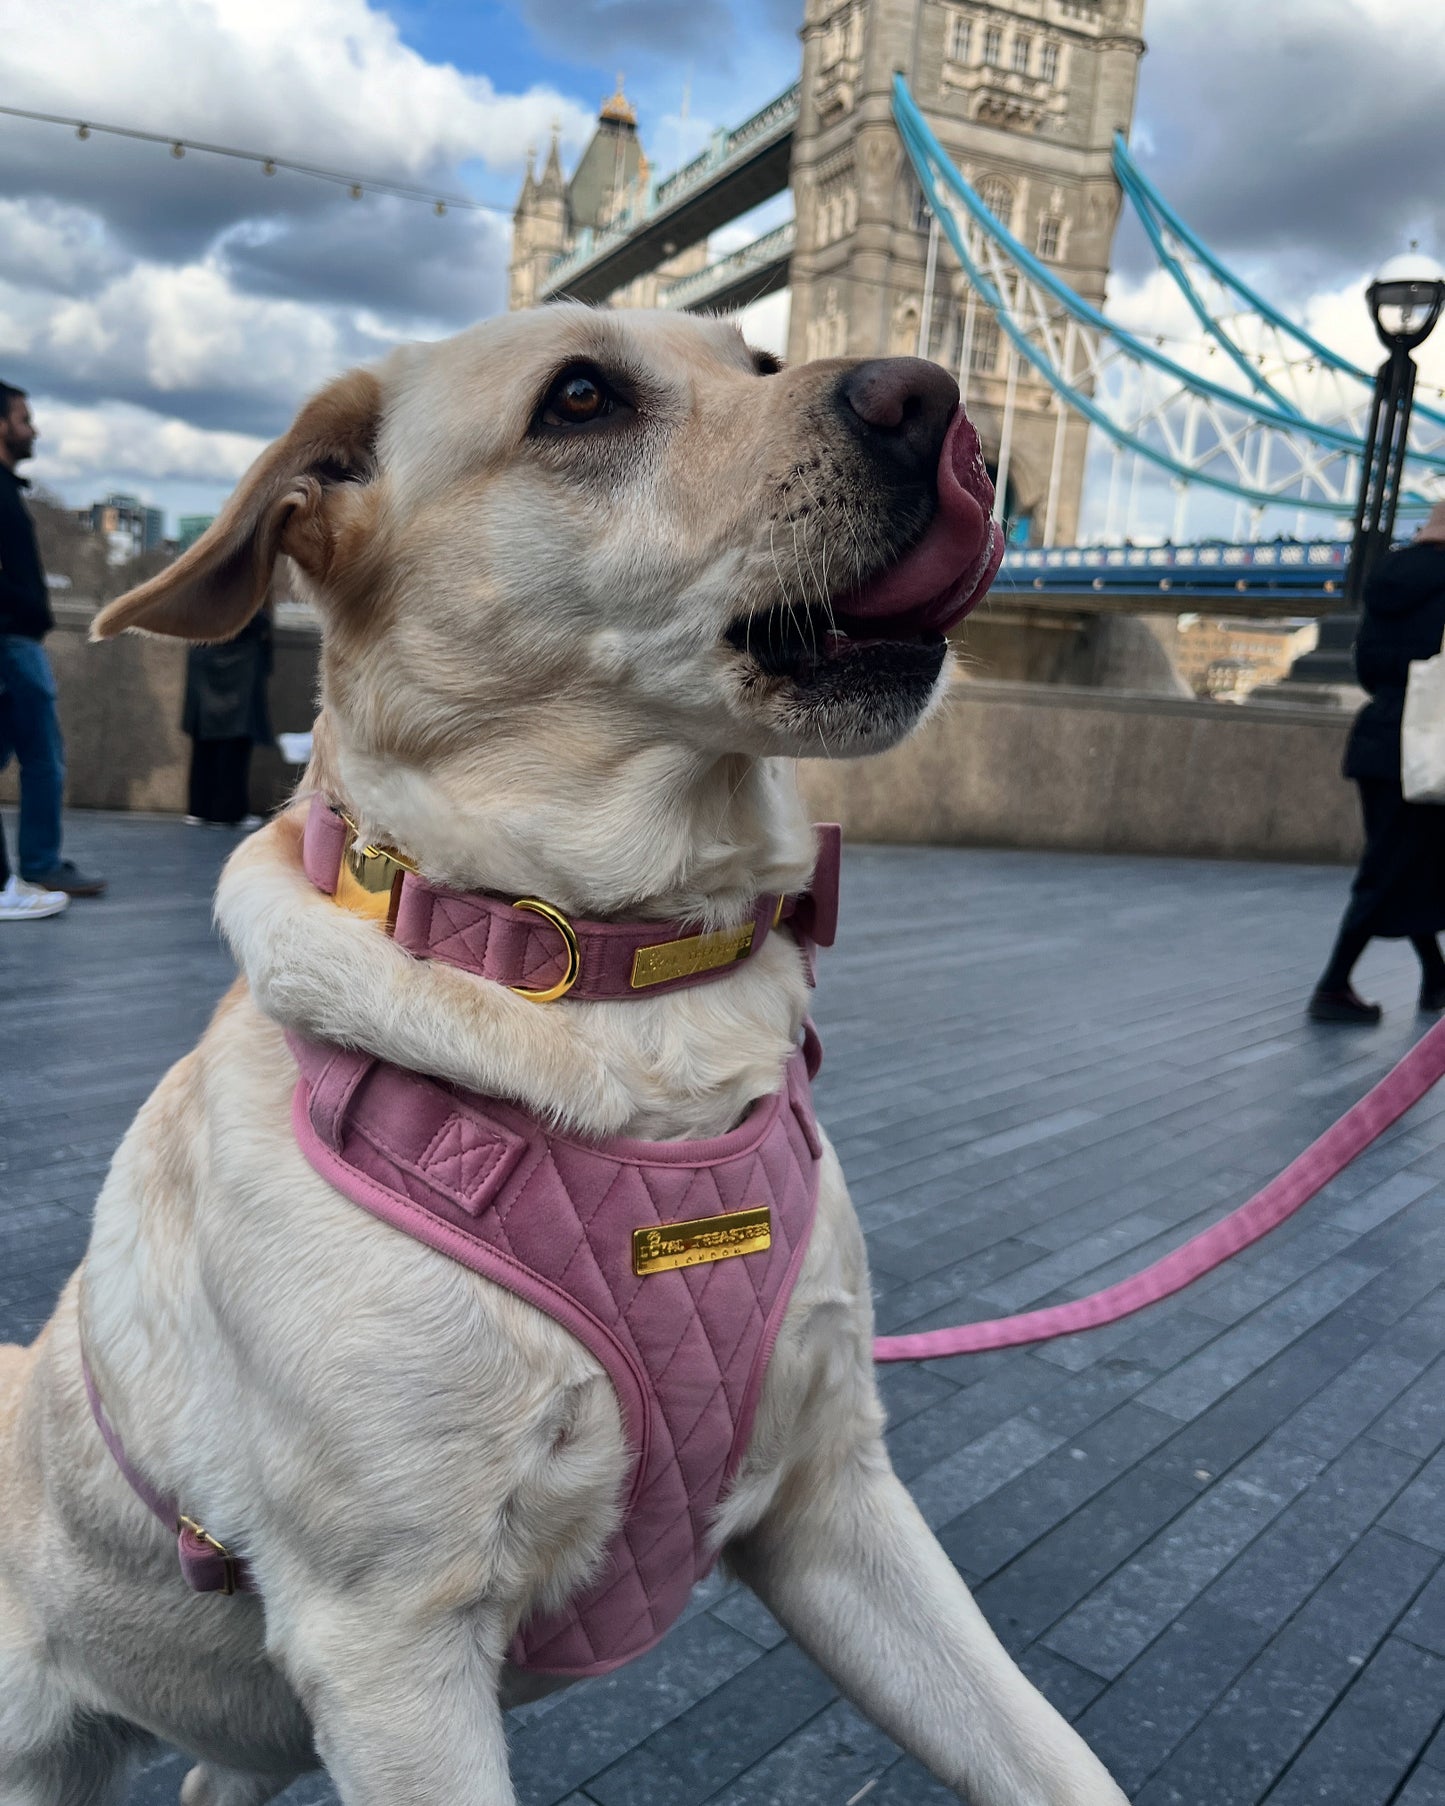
673,210
1281,580
742,276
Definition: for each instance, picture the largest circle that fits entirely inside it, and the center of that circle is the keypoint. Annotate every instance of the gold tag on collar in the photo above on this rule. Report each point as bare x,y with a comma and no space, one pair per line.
369,882
694,953
703,1239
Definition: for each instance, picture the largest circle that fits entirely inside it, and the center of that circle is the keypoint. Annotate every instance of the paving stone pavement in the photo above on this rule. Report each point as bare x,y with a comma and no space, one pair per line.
1213,1533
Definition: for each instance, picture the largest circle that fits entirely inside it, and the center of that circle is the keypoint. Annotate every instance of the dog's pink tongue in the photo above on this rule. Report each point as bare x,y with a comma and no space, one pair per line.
951,567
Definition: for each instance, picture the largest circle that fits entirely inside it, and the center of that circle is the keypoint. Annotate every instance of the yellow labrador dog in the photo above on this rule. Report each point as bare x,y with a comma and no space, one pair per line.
589,581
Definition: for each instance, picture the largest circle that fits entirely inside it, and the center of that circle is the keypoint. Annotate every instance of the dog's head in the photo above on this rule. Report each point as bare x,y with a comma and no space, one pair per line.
574,513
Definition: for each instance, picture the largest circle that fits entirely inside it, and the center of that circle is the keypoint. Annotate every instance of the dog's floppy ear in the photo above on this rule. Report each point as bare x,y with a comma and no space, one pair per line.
214,588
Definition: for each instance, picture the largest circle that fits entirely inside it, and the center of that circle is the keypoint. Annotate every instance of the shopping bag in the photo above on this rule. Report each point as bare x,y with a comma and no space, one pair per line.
1422,732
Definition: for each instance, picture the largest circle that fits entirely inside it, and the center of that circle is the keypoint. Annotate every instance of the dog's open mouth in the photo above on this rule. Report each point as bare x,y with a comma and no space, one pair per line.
810,646
894,624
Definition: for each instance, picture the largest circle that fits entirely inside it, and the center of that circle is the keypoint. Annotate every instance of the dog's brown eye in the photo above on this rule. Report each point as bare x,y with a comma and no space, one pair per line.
576,398
579,398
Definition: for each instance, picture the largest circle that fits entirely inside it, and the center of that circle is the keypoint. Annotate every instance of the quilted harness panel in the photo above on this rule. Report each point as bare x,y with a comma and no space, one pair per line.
552,1218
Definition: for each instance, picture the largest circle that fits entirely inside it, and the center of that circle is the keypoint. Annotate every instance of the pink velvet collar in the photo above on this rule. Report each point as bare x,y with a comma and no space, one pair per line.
537,950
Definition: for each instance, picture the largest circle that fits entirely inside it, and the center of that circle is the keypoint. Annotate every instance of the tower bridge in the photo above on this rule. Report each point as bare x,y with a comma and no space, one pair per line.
740,169
1025,96
956,170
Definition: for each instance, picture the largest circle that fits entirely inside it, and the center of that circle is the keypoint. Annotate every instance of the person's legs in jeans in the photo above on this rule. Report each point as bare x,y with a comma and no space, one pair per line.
32,730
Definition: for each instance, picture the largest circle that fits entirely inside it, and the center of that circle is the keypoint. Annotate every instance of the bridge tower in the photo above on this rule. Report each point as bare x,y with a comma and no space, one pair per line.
1026,96
551,213
539,228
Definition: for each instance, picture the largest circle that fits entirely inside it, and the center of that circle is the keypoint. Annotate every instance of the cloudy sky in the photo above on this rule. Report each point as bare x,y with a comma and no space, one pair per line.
167,315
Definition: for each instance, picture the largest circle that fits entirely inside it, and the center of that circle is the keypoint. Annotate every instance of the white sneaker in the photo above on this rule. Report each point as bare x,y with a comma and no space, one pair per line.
22,902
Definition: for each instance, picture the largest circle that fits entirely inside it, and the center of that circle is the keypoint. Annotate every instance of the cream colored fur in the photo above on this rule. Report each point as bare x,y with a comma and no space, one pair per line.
525,689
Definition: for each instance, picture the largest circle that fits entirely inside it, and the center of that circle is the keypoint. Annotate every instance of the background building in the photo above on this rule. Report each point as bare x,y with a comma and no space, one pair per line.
1231,658
130,528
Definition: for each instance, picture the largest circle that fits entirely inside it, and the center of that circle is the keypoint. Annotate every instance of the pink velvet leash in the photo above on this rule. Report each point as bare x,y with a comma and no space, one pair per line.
1322,1161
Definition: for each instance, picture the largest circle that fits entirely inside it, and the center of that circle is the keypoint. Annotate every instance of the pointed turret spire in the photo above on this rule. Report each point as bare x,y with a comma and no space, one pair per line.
528,195
619,109
553,181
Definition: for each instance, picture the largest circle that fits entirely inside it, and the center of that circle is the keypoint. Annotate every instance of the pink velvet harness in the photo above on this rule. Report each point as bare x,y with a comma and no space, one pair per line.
553,1219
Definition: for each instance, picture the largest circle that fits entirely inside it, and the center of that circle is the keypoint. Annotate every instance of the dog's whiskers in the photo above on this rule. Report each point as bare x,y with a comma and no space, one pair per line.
826,599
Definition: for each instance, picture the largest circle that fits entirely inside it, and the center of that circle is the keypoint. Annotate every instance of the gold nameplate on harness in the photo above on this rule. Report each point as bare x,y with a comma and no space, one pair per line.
703,1239
694,953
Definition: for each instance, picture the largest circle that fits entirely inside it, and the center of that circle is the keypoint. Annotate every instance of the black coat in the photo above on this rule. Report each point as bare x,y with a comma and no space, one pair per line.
24,598
1404,620
226,686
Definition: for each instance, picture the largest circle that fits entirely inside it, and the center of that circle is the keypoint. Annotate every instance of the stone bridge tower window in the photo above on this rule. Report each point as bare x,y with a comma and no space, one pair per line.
998,197
983,353
1023,52
960,37
993,45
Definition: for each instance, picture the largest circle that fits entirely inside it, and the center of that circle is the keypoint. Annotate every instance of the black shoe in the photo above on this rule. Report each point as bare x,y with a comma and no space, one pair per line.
1432,997
1343,1006
65,877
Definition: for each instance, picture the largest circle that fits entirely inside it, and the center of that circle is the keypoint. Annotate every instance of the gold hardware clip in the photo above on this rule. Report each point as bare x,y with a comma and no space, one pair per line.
228,1561
370,879
574,953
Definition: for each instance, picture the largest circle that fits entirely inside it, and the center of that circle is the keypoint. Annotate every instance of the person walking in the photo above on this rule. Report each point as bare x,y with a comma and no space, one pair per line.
226,716
1399,889
29,724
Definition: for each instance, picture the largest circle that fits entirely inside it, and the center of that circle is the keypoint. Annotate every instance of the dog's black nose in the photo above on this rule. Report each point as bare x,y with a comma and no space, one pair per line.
903,405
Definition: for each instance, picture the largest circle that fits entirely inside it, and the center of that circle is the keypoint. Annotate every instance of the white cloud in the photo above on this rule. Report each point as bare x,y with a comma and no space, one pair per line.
172,313
132,444
184,334
330,81
54,246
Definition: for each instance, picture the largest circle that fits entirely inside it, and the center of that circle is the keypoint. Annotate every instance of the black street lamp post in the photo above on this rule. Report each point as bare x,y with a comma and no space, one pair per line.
1406,300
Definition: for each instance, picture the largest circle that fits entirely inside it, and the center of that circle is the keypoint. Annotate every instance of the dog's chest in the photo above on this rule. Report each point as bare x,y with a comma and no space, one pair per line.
672,1262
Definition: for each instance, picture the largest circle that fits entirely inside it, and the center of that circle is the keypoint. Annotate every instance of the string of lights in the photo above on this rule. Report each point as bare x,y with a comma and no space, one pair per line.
356,186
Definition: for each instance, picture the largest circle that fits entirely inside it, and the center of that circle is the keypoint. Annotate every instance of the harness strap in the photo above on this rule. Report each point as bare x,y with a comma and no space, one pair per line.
207,1565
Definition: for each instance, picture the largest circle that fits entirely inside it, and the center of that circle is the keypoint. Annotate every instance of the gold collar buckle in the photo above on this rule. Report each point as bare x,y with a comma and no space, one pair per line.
369,882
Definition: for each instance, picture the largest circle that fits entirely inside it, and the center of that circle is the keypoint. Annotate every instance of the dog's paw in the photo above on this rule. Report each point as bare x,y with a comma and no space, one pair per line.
207,1785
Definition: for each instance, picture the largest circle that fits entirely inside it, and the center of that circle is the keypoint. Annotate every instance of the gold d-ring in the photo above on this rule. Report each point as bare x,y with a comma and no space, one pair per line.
574,952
